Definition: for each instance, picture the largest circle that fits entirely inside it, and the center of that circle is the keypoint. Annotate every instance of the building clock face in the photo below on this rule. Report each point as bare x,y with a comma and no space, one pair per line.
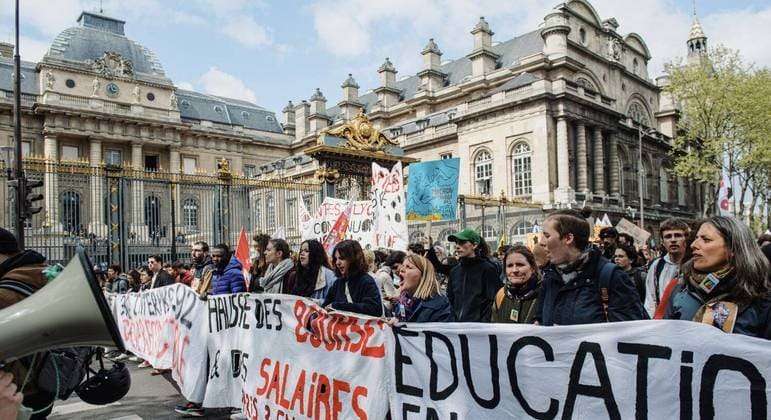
112,89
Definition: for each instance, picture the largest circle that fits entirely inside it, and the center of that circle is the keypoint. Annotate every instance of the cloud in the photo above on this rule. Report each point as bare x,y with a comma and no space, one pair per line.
185,85
32,49
743,30
247,31
217,82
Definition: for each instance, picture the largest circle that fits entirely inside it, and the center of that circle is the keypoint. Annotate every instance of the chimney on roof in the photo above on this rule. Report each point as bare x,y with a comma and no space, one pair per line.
6,50
387,93
301,124
431,78
483,59
350,105
318,118
289,119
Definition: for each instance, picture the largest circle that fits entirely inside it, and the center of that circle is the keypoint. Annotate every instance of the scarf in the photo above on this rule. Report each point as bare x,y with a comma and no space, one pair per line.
569,271
715,310
523,291
407,306
271,282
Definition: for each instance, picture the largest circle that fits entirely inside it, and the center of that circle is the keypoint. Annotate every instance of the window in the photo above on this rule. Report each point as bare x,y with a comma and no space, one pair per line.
113,157
522,228
26,148
190,214
663,185
258,213
150,96
153,216
483,168
446,156
189,165
270,211
152,163
681,191
638,114
69,83
291,213
69,211
521,172
70,153
250,171
488,232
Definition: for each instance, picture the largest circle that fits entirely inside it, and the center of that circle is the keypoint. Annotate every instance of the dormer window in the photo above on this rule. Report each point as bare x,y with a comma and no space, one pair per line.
218,109
269,118
422,124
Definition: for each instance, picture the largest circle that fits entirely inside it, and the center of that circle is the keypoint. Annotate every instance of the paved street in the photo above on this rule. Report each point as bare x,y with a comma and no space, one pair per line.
151,397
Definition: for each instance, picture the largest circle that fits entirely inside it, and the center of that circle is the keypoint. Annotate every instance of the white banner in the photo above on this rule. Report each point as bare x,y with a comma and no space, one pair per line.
359,227
390,221
641,369
276,356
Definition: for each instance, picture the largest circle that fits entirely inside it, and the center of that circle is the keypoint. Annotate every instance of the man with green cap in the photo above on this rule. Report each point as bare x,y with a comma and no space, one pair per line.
474,282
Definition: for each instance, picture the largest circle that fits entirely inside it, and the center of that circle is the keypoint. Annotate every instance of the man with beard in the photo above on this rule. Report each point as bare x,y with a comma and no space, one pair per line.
674,234
202,265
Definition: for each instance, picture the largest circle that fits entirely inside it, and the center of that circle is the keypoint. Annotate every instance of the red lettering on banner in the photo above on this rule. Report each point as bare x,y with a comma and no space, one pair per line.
359,391
322,397
297,396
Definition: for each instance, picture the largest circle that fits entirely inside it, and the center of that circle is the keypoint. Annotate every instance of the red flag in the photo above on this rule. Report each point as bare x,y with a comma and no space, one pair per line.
242,254
339,229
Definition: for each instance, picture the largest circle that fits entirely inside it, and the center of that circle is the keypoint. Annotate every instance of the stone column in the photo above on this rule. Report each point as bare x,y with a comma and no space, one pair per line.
99,196
138,227
582,180
564,192
51,183
599,162
615,188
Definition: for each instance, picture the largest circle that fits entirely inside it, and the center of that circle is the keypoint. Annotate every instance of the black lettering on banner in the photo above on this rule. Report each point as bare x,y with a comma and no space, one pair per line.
686,386
643,353
235,362
213,314
431,414
494,372
277,313
400,359
511,363
433,390
714,365
259,314
409,408
215,372
604,390
185,305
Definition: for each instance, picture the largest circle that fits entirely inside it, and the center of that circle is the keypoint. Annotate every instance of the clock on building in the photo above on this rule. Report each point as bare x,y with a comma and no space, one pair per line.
112,90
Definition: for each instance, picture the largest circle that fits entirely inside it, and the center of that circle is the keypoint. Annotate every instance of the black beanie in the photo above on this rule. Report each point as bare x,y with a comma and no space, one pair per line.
8,244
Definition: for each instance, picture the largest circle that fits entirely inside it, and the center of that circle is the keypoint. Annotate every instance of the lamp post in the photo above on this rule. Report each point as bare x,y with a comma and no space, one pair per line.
640,134
19,172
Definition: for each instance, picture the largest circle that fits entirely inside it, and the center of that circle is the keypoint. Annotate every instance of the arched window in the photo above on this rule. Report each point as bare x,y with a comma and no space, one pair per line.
153,216
488,233
586,84
69,211
190,214
521,173
638,114
519,231
483,168
270,211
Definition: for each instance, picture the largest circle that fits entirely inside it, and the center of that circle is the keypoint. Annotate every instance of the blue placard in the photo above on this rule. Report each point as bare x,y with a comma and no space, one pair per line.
432,190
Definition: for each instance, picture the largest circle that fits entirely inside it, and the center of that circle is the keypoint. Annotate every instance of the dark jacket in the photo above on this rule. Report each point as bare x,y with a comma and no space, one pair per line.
229,279
472,287
579,302
440,268
436,309
637,275
121,284
753,320
162,279
516,309
364,294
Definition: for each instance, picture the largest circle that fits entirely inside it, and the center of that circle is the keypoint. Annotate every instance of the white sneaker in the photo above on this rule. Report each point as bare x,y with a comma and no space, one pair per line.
238,414
122,356
135,359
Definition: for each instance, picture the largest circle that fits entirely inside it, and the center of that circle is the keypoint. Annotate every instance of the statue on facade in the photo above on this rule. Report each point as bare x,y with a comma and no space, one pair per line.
95,87
112,64
173,100
361,135
615,49
137,94
50,79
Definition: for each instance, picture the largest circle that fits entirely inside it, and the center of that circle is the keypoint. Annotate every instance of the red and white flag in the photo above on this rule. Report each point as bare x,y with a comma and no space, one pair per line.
724,196
339,229
242,255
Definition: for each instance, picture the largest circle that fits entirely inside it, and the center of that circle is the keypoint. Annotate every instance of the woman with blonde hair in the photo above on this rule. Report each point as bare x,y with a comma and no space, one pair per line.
420,299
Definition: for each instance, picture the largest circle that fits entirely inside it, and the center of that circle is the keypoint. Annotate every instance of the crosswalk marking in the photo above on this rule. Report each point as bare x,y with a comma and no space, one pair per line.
131,417
77,407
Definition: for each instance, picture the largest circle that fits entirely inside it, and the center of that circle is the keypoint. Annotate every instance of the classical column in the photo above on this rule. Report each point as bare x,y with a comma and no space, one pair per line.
599,162
97,224
563,193
138,227
582,183
51,182
615,188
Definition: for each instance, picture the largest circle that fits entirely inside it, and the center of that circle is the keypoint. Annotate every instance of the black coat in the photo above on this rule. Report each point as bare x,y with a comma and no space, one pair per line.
436,309
364,294
579,302
162,279
471,289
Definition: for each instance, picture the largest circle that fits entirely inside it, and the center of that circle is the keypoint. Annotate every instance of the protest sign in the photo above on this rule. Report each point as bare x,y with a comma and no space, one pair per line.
640,369
432,190
306,222
339,229
390,222
359,224
640,235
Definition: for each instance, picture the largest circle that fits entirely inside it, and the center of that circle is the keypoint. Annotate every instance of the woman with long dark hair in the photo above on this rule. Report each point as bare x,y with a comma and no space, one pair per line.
355,290
725,283
259,265
313,277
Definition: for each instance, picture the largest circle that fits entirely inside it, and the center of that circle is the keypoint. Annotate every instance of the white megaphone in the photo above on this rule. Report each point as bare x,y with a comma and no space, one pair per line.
70,311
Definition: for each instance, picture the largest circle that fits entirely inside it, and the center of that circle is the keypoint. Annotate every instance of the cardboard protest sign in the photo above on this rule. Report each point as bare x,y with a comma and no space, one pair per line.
306,222
337,234
640,235
432,190
389,221
359,224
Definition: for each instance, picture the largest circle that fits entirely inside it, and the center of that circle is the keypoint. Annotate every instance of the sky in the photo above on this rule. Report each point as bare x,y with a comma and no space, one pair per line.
271,51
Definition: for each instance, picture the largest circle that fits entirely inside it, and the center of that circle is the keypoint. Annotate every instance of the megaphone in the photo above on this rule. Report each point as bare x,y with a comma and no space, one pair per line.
70,311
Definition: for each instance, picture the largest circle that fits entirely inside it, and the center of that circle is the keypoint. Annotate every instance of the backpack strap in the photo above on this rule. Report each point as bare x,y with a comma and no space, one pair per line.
606,274
16,286
658,270
499,298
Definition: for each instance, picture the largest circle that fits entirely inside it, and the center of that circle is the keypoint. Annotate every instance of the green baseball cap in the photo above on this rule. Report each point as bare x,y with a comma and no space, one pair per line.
466,235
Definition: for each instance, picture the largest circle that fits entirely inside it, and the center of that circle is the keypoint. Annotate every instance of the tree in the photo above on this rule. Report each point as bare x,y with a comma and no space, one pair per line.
724,105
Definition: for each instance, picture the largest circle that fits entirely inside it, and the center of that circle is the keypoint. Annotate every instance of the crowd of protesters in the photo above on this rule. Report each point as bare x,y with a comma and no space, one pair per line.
714,272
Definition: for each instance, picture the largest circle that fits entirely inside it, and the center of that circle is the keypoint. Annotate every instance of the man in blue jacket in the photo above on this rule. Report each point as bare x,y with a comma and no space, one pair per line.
228,276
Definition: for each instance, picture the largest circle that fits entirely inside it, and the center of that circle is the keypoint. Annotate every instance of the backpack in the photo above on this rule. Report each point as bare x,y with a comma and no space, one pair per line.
660,264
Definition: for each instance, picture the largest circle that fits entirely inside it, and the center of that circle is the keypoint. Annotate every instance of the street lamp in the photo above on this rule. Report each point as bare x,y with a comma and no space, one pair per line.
640,132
